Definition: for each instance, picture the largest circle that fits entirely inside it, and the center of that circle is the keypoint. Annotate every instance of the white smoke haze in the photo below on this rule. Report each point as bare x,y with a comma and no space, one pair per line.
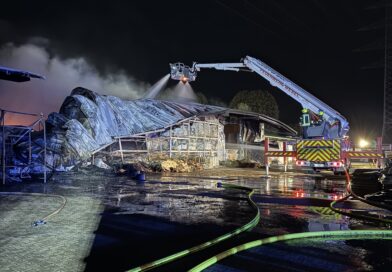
62,75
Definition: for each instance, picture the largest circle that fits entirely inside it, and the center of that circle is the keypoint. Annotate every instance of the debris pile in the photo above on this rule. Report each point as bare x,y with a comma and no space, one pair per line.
180,166
88,126
88,122
164,165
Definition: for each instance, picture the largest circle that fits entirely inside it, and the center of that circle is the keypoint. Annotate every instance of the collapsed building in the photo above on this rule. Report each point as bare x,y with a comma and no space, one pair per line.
106,130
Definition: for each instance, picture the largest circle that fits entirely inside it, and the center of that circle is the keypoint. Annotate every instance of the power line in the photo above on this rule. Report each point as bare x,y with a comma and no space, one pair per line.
247,18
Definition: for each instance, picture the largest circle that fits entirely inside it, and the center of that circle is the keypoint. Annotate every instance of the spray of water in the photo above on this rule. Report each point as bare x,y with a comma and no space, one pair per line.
157,87
184,92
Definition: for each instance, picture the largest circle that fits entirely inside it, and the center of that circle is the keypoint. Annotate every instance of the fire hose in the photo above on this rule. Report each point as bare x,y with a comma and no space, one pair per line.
248,226
351,234
44,219
348,235
354,196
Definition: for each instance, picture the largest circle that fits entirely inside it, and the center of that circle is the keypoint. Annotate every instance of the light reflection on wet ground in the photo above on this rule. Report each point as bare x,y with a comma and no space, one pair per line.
175,199
286,185
174,212
312,255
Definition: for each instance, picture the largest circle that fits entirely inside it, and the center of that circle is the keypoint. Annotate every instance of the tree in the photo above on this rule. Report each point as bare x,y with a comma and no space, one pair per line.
256,101
217,102
243,106
202,99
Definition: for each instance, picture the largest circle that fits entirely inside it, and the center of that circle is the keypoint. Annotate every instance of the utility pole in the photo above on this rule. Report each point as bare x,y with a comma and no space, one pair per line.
387,119
385,44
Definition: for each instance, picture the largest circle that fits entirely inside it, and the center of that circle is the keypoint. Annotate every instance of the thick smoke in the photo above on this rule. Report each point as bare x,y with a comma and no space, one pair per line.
62,75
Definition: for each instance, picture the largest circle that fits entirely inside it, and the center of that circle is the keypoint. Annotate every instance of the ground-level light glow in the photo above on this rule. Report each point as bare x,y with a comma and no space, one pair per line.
363,143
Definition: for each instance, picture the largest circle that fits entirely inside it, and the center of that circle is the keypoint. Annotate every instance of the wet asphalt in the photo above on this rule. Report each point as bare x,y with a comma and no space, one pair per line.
138,222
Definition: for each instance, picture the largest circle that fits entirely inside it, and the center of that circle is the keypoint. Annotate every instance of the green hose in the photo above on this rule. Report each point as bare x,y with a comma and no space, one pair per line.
250,225
351,234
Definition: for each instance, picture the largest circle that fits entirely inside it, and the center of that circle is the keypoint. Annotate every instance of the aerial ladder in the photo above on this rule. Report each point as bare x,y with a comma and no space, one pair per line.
324,143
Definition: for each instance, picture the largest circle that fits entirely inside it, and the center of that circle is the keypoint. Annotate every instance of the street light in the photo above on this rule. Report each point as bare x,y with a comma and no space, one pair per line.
363,143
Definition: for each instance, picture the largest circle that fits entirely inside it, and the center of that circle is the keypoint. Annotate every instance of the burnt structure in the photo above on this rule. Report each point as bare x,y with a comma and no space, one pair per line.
99,129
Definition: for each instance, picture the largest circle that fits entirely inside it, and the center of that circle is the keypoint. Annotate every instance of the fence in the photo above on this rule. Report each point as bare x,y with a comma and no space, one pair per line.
11,135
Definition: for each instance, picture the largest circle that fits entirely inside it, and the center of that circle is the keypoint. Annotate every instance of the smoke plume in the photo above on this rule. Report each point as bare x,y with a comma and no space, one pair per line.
62,75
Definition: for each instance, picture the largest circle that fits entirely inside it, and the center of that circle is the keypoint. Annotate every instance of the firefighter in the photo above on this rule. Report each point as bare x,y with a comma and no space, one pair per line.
320,117
305,118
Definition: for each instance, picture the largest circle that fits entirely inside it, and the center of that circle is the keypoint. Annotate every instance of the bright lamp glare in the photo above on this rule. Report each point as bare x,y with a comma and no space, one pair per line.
363,143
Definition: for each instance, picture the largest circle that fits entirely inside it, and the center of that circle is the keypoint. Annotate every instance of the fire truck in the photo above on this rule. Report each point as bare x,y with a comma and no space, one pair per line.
324,143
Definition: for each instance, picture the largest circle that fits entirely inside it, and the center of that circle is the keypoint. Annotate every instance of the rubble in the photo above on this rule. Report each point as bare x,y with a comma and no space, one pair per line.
101,164
163,165
88,122
180,166
169,165
241,164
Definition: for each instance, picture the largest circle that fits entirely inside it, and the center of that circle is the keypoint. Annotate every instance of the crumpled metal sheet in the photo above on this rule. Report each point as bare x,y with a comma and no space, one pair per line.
88,121
79,139
94,119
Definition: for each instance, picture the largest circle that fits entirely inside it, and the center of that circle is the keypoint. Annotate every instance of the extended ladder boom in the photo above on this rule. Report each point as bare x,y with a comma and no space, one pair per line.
307,100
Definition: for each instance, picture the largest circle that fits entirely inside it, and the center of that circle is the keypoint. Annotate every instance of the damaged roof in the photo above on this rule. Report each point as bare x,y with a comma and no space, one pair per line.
93,121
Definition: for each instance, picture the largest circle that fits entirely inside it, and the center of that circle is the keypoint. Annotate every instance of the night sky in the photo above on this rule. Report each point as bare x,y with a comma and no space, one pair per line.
315,43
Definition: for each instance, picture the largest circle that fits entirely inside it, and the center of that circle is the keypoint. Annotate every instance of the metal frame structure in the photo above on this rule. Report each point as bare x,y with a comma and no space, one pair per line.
167,141
270,153
14,139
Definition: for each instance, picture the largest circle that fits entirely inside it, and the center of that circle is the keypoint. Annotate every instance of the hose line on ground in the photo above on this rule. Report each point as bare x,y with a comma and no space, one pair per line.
353,195
372,203
248,226
44,219
351,234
